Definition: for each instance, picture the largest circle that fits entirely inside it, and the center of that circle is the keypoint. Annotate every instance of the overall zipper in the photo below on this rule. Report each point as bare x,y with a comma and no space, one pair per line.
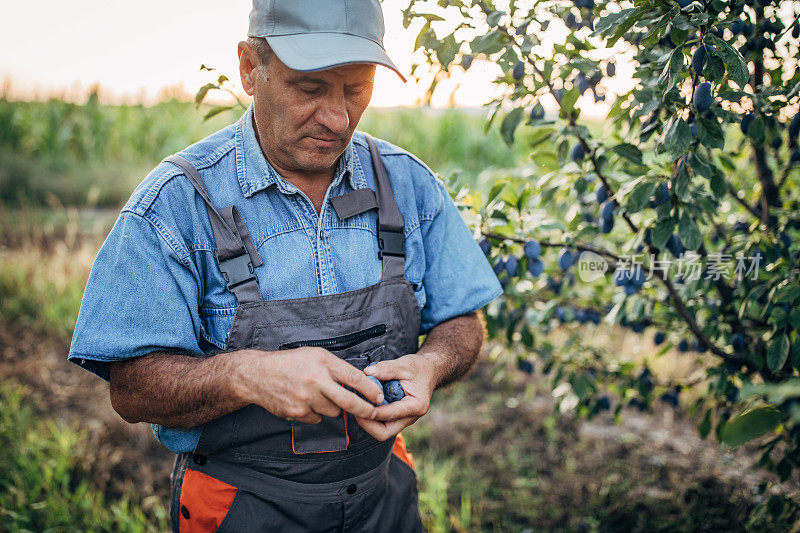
339,343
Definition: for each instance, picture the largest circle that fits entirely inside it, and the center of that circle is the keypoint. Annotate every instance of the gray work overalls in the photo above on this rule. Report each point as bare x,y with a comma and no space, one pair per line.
253,471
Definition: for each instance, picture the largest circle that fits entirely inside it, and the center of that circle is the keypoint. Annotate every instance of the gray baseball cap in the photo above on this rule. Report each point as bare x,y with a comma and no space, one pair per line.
320,34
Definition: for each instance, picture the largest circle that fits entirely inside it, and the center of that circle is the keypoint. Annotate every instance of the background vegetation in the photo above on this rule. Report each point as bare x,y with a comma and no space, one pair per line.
592,406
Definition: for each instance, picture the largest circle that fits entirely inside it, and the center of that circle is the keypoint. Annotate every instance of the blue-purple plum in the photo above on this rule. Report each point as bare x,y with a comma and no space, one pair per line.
525,366
578,153
601,193
607,210
535,267
738,342
746,120
499,266
512,265
532,249
703,97
518,72
393,391
565,259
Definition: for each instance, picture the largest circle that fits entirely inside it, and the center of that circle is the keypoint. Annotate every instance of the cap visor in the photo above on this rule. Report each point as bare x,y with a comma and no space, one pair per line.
319,51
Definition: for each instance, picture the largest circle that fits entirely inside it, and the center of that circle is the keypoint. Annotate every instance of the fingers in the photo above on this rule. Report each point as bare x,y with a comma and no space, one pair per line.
409,406
349,401
391,369
348,375
310,418
385,430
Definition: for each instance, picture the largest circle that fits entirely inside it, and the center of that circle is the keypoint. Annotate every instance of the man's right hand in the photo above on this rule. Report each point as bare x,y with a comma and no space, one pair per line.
303,384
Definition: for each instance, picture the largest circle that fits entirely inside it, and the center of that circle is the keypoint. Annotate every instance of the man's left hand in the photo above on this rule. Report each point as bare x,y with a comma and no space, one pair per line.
417,376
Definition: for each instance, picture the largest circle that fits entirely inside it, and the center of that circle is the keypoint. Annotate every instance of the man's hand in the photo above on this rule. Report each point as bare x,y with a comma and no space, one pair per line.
305,384
417,376
450,350
184,392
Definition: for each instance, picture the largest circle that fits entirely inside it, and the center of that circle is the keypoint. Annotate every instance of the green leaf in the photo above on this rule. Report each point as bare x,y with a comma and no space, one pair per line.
714,69
581,385
626,24
661,232
201,93
796,355
495,191
447,51
510,123
612,20
421,35
689,232
777,352
794,321
669,77
639,197
709,132
568,101
488,44
678,136
737,67
494,17
705,425
717,183
216,110
629,152
430,17
787,293
539,135
756,130
751,424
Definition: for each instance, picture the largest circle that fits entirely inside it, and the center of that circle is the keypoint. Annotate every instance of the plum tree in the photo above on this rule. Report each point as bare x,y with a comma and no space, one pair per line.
698,155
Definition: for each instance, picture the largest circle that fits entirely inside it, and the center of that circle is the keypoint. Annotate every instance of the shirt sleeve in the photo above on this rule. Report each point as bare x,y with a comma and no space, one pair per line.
458,279
140,298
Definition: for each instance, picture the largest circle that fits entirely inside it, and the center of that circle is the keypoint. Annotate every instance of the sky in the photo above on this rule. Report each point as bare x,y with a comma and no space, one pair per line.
146,50
136,49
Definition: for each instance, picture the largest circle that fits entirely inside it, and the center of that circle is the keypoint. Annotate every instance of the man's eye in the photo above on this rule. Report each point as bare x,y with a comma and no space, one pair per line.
309,90
357,89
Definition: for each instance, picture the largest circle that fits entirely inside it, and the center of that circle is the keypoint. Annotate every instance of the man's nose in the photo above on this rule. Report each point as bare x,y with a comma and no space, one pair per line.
333,113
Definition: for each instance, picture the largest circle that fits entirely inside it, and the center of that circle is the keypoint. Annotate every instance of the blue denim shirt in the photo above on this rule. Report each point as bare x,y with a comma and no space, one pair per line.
155,284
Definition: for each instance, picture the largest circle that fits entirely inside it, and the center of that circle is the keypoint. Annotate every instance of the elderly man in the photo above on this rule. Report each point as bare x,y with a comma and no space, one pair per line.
260,285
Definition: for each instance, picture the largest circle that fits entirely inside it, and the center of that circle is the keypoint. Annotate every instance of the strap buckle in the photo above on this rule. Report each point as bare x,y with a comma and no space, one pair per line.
391,242
236,270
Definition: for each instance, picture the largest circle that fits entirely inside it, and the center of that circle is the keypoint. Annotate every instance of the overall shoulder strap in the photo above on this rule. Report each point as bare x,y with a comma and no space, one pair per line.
236,254
391,236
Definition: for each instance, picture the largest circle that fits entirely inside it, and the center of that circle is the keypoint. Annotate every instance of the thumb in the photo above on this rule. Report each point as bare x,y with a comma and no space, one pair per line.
390,369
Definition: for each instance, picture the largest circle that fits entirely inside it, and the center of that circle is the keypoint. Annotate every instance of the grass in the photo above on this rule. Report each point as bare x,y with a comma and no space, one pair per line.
46,484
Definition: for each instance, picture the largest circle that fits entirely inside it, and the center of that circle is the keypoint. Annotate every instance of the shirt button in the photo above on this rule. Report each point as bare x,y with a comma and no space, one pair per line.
185,512
199,459
351,489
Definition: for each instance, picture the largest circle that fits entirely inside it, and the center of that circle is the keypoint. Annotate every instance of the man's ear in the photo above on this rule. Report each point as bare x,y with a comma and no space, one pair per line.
248,65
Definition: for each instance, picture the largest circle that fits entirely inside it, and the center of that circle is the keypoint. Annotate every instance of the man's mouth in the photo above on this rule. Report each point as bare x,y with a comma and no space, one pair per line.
325,142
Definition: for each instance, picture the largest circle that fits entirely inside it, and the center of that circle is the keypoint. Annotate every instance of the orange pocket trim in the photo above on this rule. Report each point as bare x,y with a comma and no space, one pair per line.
402,452
204,502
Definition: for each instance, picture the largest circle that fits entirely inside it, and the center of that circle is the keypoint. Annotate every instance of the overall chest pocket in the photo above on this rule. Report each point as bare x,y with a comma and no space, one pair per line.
215,324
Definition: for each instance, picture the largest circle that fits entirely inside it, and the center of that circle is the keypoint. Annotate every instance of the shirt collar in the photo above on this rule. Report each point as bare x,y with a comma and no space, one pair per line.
255,173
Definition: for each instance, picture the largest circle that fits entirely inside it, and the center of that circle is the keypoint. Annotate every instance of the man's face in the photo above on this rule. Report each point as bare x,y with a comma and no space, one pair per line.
305,120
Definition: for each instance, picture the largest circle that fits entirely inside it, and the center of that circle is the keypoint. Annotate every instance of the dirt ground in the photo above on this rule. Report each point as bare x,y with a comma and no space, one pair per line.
520,466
